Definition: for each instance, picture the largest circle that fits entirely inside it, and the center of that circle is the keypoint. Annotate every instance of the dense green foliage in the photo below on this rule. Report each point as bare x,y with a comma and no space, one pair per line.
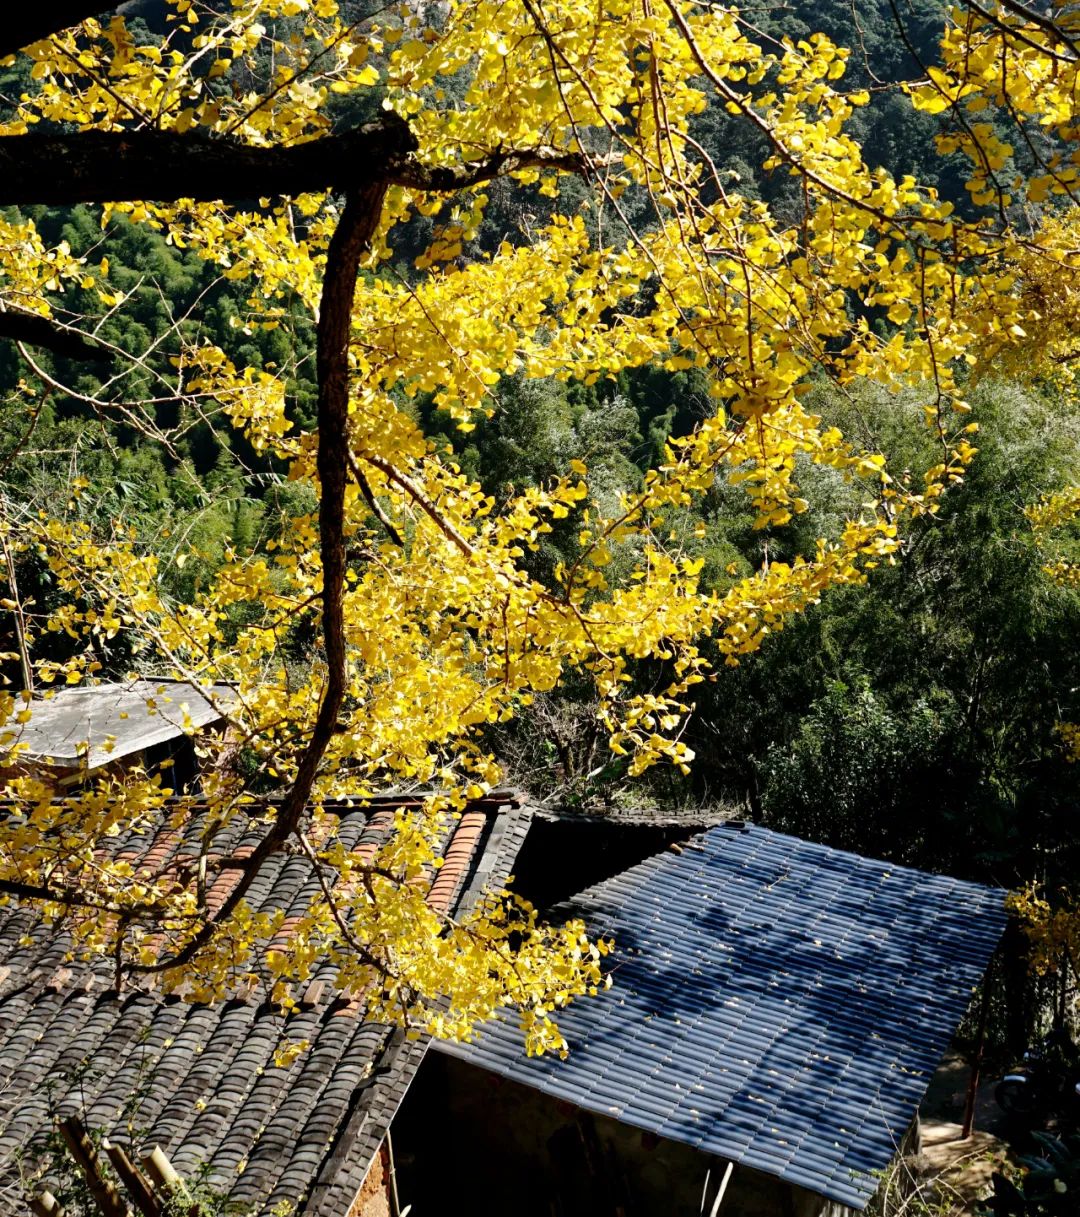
913,717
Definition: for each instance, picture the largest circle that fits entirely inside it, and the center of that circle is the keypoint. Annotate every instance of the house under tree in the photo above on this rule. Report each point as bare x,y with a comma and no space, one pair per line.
200,1082
79,732
777,1011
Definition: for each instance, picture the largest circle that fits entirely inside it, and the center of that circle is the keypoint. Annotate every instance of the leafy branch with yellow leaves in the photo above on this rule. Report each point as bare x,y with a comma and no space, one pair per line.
220,133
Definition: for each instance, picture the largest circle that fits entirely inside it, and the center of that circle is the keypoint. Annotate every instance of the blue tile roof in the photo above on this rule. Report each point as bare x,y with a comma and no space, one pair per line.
775,1002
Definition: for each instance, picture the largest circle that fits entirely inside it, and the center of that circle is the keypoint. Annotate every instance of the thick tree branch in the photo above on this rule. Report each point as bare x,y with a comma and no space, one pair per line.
444,179
118,166
23,24
350,241
40,331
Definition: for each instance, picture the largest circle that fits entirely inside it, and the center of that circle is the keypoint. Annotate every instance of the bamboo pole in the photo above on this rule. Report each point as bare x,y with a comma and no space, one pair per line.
105,1195
157,1165
138,1188
164,1177
45,1204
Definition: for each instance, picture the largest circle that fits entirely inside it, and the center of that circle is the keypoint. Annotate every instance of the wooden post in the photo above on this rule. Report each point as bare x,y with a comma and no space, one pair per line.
164,1177
976,1064
45,1204
138,1188
108,1199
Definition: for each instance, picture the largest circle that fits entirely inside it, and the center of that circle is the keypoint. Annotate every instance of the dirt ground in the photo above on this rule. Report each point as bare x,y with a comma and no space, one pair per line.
959,1171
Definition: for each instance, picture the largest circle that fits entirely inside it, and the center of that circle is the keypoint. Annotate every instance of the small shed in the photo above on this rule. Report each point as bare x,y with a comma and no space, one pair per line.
73,732
147,1069
777,1011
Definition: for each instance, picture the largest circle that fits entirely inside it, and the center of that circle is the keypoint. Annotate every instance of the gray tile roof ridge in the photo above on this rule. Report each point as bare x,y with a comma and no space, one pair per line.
634,817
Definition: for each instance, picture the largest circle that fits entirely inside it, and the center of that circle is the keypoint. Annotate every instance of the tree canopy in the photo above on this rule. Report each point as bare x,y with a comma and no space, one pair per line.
321,178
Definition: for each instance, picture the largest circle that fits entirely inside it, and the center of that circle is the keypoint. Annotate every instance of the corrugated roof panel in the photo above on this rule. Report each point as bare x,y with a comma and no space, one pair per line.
775,1002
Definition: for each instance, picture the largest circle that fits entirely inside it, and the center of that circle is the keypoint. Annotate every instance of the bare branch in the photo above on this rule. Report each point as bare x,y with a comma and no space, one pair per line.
1055,30
421,500
373,502
472,173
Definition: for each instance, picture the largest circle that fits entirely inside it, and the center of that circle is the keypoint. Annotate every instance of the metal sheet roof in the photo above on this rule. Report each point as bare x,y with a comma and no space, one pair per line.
93,725
775,1002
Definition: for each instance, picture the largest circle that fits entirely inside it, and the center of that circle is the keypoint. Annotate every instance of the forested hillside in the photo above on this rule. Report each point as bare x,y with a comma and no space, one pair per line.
867,650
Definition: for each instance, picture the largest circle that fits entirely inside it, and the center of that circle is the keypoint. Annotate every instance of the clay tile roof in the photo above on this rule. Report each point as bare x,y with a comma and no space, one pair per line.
200,1081
775,1002
93,725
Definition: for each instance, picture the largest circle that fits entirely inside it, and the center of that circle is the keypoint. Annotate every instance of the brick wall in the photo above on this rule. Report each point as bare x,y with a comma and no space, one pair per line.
373,1199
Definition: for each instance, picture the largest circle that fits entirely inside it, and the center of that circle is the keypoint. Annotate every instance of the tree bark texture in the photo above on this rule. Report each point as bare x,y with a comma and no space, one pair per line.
119,166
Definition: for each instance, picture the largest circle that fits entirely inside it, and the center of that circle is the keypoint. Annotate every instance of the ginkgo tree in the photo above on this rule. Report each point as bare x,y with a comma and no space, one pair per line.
221,133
